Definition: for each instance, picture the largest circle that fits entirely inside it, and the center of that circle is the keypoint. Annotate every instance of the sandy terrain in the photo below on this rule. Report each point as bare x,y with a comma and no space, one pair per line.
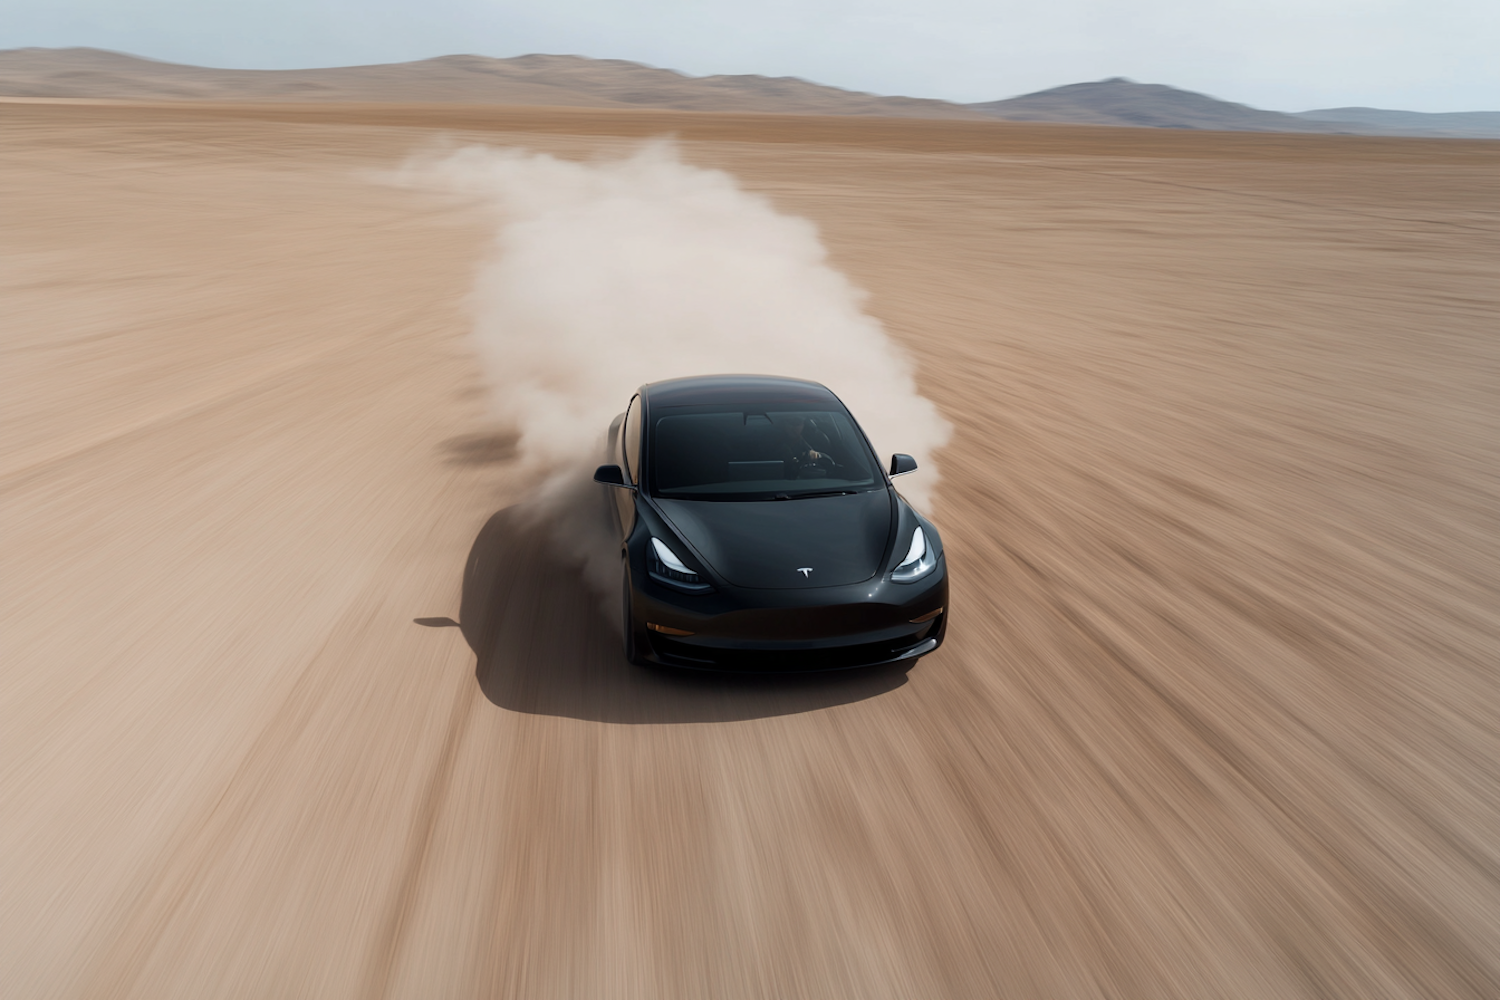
1218,715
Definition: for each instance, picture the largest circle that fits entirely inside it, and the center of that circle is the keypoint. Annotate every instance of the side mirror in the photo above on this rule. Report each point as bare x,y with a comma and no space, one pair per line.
902,464
610,475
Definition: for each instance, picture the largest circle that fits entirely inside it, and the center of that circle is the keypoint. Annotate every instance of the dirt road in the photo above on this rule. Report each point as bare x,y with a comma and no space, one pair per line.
1218,714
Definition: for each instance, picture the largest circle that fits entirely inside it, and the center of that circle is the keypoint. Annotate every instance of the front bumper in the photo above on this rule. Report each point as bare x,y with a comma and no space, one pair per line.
825,628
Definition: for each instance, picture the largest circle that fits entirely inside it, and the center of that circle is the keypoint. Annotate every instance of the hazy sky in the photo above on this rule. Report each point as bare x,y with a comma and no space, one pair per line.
1289,55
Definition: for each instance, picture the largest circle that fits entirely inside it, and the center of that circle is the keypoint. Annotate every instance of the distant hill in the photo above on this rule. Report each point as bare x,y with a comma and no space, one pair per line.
1118,101
567,81
575,81
1457,124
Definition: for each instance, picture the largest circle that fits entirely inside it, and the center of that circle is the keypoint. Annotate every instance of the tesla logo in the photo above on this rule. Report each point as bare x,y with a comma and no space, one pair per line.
806,571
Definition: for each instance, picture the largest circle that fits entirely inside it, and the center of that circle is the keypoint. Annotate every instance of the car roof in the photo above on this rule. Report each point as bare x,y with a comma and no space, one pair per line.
755,389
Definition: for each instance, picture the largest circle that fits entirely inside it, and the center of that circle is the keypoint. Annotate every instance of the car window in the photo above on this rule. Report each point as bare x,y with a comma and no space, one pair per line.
633,440
718,453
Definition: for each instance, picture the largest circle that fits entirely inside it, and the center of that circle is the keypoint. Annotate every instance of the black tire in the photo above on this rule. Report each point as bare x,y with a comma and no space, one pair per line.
627,618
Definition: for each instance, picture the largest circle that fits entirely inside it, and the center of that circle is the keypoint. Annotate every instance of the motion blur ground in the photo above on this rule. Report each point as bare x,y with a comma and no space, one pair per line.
1217,715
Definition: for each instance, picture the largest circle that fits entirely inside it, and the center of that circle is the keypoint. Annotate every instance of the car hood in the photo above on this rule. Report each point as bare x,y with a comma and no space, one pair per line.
767,543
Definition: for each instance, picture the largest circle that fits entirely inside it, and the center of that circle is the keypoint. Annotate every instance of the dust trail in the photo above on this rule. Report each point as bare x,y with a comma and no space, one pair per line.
609,274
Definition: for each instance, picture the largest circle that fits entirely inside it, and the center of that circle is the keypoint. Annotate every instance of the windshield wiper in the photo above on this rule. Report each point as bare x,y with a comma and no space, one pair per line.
822,493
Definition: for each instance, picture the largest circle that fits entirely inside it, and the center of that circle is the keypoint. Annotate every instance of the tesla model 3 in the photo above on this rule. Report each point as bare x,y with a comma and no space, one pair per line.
758,531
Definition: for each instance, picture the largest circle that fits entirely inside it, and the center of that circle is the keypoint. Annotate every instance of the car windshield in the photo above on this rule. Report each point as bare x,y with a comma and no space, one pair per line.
718,453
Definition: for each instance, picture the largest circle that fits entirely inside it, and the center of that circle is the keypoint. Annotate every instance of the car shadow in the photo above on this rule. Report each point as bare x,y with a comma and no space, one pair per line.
544,646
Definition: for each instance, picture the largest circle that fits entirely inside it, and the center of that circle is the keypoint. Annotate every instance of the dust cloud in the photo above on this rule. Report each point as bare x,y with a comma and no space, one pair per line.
609,274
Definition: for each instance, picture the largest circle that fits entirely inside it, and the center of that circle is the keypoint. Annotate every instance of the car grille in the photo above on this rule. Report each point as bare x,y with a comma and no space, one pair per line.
773,660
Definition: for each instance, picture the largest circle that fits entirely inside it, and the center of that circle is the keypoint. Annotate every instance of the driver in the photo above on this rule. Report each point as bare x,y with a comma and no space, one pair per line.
797,438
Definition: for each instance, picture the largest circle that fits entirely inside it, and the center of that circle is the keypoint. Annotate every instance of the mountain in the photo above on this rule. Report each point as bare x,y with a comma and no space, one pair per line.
1375,121
568,81
1118,101
575,81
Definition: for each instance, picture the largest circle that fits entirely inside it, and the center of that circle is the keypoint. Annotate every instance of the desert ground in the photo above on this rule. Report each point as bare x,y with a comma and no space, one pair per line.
1218,714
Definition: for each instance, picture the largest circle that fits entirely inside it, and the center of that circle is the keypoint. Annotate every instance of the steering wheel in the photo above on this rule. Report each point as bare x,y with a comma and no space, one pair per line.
822,464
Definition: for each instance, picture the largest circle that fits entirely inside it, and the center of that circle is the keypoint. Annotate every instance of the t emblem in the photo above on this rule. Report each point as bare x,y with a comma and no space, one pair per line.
806,571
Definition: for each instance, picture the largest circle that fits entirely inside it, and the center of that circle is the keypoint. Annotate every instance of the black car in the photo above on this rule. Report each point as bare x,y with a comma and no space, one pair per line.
759,532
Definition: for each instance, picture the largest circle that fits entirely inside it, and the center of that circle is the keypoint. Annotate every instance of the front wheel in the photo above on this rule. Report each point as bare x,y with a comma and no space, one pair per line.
627,618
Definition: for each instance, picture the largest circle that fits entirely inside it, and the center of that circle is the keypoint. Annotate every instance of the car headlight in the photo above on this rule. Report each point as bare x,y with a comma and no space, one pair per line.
665,567
920,560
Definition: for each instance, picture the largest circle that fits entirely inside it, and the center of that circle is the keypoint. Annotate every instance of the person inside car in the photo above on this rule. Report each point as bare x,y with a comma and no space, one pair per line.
807,443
